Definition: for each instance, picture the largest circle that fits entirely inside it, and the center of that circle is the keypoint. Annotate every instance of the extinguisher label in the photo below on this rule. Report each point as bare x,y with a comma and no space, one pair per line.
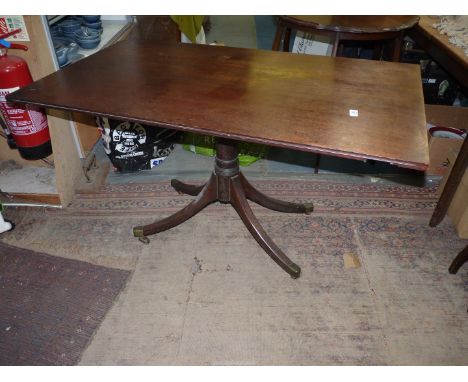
9,23
21,121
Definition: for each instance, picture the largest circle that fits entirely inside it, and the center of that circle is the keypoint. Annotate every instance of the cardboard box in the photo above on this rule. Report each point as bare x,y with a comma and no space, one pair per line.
458,209
451,158
441,150
442,153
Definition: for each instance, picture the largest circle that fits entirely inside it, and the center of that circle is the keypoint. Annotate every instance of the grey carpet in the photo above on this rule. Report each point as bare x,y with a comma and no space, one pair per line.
50,306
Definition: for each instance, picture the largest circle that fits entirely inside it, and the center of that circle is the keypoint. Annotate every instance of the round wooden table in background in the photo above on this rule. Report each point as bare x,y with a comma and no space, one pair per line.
348,28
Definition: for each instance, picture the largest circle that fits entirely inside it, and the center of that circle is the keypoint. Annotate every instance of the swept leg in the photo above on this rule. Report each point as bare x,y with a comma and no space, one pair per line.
273,204
184,188
242,207
207,195
461,259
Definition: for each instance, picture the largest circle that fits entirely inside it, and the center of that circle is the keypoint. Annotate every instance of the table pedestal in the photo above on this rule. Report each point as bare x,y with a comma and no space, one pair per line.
228,185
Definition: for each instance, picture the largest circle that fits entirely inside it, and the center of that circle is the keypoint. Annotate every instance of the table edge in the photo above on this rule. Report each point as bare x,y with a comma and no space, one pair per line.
268,142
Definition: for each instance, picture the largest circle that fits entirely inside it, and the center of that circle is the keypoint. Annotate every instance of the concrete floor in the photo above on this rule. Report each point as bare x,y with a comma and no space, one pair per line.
18,178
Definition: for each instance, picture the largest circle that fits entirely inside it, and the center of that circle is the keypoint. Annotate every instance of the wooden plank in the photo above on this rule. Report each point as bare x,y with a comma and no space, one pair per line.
68,169
18,197
87,131
295,101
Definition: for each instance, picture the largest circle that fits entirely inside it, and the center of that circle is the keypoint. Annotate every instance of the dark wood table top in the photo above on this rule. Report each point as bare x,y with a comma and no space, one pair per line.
295,101
356,24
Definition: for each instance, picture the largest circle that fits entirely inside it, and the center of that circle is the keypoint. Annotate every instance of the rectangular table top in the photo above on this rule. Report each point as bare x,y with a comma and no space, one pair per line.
295,101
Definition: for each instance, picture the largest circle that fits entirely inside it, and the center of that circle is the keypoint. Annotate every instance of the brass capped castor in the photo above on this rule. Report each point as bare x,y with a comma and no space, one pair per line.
309,208
295,271
138,232
144,239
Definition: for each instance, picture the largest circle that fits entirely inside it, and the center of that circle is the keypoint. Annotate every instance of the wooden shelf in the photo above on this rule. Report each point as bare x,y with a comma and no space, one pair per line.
54,19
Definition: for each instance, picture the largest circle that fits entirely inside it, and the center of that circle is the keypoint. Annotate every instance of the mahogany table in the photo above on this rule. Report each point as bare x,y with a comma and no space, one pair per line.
298,102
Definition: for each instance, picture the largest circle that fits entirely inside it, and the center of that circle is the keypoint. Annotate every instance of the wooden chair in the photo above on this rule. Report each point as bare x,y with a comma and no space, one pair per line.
378,29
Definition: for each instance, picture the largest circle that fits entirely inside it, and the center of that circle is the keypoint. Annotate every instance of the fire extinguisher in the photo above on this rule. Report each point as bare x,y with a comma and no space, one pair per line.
26,125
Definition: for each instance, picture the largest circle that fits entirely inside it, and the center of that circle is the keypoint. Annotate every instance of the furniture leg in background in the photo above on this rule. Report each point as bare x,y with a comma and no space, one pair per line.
446,197
461,259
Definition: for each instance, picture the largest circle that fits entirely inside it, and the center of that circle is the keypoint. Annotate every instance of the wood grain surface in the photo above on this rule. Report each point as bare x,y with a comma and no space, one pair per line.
295,101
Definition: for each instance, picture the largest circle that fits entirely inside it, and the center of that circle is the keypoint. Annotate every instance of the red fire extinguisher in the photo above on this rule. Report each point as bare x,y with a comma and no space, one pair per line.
27,125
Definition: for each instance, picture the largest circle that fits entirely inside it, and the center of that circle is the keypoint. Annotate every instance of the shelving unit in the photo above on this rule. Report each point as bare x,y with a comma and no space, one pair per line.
113,28
51,20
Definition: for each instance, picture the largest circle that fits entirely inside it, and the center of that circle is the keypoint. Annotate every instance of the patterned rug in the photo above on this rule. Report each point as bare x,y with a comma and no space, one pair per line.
50,307
97,227
328,197
205,293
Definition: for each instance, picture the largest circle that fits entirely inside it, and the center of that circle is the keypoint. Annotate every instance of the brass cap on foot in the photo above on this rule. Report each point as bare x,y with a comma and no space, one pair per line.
138,231
294,271
309,208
